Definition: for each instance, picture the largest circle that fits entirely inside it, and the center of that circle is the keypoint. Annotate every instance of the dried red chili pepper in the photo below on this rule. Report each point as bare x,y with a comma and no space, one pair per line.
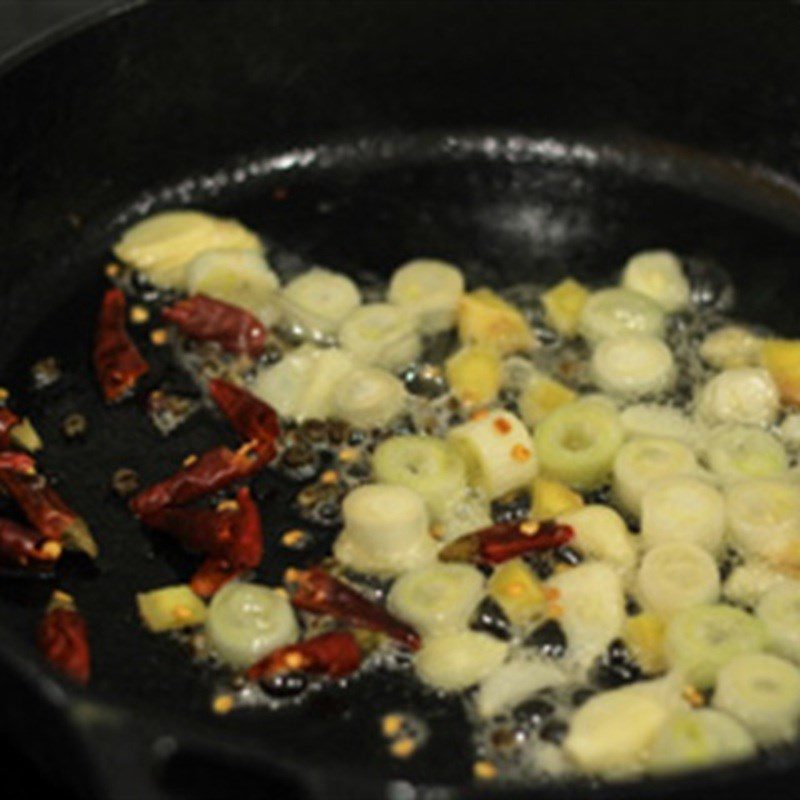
62,638
117,361
506,540
200,530
333,654
47,511
17,462
8,420
317,591
209,320
213,470
250,417
242,551
22,546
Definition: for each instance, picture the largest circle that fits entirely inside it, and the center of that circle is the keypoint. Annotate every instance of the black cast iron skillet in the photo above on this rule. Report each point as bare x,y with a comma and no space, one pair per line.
520,140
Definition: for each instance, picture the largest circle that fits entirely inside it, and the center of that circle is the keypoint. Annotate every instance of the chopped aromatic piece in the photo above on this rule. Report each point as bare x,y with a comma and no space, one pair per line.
74,426
45,372
125,482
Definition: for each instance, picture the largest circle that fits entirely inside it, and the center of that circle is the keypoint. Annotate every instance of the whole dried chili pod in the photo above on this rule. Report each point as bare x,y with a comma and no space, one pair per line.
333,654
209,320
506,540
22,546
211,471
316,591
62,638
243,551
17,462
8,421
199,530
118,363
47,511
251,418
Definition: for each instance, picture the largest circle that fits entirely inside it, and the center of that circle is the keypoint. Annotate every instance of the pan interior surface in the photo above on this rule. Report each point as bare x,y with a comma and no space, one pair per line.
508,209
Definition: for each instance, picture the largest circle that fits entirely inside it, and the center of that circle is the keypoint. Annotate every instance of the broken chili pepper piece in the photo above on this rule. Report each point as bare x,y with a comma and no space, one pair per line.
117,361
241,552
8,421
209,320
320,593
333,654
199,530
62,638
506,540
211,471
22,546
47,511
17,462
251,418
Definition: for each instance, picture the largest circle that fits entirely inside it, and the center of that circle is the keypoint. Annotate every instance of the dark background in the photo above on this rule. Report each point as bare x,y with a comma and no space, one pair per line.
21,21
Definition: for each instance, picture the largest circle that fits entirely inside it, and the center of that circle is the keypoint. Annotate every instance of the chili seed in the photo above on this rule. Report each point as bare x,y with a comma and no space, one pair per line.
549,639
338,431
125,482
286,684
74,426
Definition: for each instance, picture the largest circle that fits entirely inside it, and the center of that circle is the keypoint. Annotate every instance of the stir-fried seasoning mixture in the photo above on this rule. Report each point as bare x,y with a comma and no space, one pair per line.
577,508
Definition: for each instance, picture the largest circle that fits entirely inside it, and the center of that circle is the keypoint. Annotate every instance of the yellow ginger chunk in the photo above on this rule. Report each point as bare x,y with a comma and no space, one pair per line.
644,636
518,592
552,498
563,305
474,374
485,318
781,357
540,396
171,608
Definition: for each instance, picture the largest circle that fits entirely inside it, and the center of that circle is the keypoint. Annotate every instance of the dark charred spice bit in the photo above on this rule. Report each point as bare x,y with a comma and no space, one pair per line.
554,731
47,511
45,372
333,654
300,461
338,431
567,555
506,540
514,507
74,426
62,638
251,418
209,320
425,380
213,470
580,696
490,618
549,639
503,738
616,667
317,592
533,713
632,608
22,546
118,363
124,482
285,684
314,431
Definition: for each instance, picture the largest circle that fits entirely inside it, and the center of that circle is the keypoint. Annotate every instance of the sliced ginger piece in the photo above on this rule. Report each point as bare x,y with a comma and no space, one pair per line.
552,498
644,636
781,357
542,395
474,374
563,305
516,589
485,318
170,608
